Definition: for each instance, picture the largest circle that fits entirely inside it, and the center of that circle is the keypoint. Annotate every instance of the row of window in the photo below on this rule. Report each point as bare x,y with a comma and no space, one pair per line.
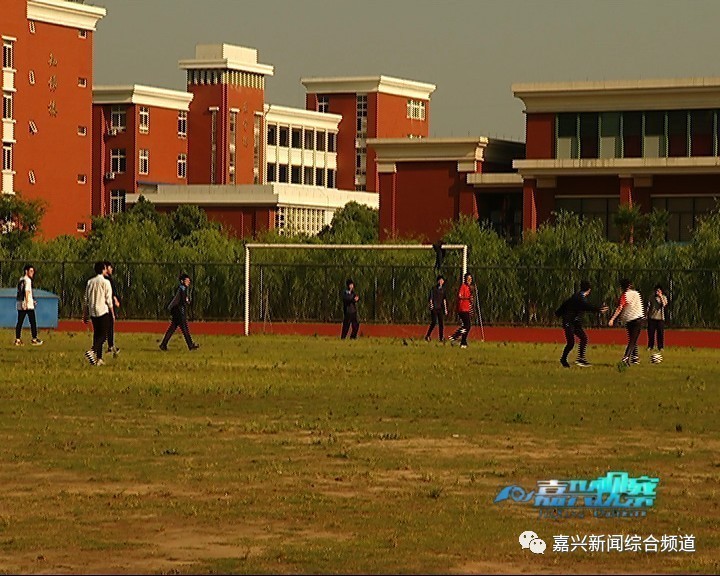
82,34
684,213
415,110
231,77
649,134
118,120
306,175
299,220
300,138
81,178
118,162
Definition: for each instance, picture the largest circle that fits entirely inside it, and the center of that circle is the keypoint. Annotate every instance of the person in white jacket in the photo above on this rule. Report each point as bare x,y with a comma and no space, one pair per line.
98,307
25,303
631,309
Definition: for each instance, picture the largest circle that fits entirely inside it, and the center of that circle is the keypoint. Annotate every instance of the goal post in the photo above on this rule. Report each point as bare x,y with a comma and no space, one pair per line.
250,247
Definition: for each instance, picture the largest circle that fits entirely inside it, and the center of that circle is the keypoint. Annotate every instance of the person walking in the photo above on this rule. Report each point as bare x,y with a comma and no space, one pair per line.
572,311
630,310
438,308
656,318
98,307
116,306
464,308
350,316
25,304
178,312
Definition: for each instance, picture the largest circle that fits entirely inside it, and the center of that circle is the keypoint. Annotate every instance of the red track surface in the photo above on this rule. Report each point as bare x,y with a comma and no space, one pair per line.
697,338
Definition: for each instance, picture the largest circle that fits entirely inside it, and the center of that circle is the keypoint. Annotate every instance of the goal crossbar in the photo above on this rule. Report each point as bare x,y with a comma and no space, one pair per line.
249,247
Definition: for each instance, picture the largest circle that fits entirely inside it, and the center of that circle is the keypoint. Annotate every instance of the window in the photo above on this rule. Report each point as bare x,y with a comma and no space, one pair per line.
271,172
323,104
144,161
81,179
82,82
233,122
566,145
118,115
296,138
654,142
182,165
182,124
118,161
632,123
31,26
361,108
308,176
82,130
31,176
8,60
117,201
299,220
82,34
361,162
610,142
256,148
80,227
331,141
295,174
685,213
33,127
320,141
272,134
416,109
593,208
7,163
284,135
701,132
309,139
7,105
330,178
319,177
589,135
282,173
144,119
31,77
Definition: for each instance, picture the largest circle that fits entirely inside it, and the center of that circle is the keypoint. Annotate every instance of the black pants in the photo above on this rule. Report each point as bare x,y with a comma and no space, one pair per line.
350,319
464,329
111,333
21,319
178,320
656,327
100,333
634,327
436,317
573,329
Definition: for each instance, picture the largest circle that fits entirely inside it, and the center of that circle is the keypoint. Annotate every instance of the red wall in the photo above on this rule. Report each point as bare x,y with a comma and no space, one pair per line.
426,195
224,96
540,136
345,105
56,153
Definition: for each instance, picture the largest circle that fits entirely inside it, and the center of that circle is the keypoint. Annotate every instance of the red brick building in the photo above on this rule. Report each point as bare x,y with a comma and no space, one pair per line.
371,107
592,146
47,80
140,134
425,184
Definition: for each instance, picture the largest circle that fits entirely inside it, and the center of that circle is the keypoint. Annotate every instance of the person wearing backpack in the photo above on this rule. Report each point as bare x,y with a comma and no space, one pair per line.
25,304
572,311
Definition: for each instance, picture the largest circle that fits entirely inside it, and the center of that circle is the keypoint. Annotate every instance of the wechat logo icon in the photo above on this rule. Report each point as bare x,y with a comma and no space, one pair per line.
530,539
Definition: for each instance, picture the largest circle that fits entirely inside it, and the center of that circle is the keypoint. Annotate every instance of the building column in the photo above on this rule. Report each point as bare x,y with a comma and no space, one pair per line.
387,191
627,189
530,210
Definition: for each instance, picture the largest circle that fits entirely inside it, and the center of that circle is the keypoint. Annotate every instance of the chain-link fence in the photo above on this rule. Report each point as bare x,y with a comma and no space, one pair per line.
291,292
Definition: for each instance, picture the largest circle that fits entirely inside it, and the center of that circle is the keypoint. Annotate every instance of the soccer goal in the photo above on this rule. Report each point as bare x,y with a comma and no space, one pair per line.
249,248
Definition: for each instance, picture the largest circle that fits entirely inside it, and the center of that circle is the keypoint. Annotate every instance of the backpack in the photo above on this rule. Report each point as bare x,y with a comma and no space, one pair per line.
20,296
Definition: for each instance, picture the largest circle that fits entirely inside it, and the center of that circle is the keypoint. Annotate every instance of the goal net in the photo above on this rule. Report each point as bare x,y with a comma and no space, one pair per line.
303,282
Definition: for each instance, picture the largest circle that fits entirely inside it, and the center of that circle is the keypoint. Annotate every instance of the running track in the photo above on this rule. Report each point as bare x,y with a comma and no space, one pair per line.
696,338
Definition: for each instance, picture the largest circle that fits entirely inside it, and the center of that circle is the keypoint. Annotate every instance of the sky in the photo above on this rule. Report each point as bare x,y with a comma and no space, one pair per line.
472,50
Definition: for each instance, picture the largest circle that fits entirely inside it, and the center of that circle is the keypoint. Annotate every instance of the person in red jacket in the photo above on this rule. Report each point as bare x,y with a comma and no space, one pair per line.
464,306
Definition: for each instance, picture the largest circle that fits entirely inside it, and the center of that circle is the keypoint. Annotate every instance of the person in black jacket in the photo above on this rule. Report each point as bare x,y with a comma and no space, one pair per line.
438,308
179,315
572,312
349,300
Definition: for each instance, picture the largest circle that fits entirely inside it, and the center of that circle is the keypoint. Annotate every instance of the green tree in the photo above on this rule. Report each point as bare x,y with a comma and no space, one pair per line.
353,224
19,222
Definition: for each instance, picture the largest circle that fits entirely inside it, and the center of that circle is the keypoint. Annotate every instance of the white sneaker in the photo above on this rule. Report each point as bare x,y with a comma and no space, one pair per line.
18,342
36,342
100,362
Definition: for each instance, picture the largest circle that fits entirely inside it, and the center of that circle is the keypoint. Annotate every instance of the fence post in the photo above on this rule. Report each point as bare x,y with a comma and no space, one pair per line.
527,295
392,295
670,294
62,285
262,289
375,293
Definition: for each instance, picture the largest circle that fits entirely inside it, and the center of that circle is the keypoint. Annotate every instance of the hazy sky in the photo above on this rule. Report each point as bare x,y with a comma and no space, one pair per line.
472,50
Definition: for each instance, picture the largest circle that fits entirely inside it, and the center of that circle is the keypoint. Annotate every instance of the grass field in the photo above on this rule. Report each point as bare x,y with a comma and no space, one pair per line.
313,455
